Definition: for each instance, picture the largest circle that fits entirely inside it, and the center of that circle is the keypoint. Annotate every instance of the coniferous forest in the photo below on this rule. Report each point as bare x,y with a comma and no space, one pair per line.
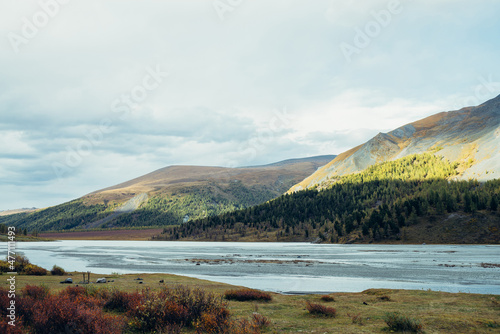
377,204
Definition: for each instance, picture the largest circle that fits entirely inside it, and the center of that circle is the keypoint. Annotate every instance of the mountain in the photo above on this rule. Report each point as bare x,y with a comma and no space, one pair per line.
469,135
414,199
168,180
171,195
13,212
417,183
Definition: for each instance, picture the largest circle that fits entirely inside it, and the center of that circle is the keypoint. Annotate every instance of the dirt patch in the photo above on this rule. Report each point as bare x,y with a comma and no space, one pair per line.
145,234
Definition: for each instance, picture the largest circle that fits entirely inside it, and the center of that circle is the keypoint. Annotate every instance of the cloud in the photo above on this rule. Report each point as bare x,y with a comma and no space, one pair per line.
226,80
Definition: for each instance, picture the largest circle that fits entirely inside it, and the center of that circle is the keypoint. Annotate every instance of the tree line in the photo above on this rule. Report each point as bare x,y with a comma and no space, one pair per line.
374,204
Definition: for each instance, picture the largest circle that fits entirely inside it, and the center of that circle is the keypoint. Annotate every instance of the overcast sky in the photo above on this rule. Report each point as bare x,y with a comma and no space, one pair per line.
93,93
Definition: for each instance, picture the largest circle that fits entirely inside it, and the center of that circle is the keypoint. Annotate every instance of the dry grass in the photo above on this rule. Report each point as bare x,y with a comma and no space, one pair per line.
439,312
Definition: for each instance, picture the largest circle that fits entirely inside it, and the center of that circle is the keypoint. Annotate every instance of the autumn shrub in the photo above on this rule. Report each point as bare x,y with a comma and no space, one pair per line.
356,318
243,326
196,301
4,325
20,263
398,322
5,328
37,292
121,301
4,299
73,292
4,266
32,269
260,321
94,320
322,310
216,321
168,308
153,314
4,304
327,298
57,271
77,309
247,294
67,313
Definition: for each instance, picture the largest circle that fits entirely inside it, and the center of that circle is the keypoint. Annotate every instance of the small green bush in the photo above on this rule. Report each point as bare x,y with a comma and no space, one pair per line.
57,271
398,322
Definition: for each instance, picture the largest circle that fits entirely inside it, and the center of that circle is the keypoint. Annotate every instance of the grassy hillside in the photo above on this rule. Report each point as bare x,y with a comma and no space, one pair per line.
393,201
466,135
65,216
194,203
169,196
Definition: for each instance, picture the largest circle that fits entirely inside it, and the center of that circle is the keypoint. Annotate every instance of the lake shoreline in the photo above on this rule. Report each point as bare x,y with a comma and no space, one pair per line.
285,267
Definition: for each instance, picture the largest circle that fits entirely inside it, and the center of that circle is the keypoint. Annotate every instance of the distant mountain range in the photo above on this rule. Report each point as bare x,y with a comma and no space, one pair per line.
172,195
470,135
393,184
417,183
12,212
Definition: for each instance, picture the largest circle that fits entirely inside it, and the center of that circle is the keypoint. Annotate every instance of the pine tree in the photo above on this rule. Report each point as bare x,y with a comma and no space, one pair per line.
439,207
493,203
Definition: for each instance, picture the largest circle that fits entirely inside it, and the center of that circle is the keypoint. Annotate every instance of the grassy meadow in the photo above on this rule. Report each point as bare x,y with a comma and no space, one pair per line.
364,312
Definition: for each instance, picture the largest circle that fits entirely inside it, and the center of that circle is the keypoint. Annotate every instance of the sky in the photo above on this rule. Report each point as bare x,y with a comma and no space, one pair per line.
94,93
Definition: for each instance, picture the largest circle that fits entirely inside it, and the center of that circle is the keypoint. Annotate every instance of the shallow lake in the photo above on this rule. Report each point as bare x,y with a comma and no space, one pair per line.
284,267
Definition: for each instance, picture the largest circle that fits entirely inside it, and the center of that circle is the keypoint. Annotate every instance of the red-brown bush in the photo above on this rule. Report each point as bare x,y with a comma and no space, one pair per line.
327,298
247,294
122,301
73,292
61,313
178,306
318,309
4,301
81,310
37,292
5,328
154,314
196,301
259,320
